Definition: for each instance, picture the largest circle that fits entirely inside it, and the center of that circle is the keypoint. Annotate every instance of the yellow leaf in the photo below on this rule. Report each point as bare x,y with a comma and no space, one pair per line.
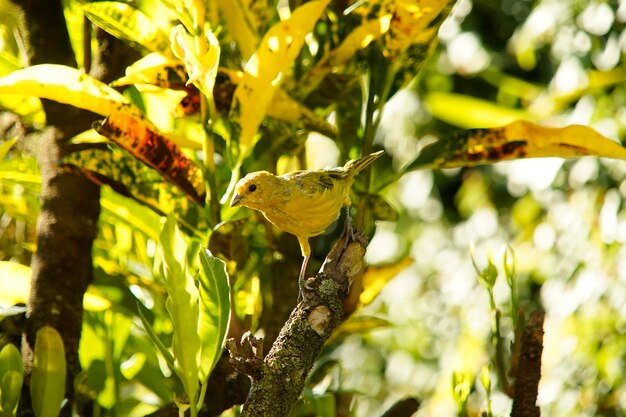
285,108
375,279
200,54
411,23
603,79
358,324
565,142
65,85
27,107
267,68
237,18
154,69
15,284
127,23
6,146
512,85
282,107
359,38
520,139
93,301
356,40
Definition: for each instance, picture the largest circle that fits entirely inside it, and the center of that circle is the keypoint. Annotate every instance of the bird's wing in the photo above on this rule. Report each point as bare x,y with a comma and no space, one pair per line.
313,183
313,200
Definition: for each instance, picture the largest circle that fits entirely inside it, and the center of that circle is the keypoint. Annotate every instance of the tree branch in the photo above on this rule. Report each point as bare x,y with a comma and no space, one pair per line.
529,368
403,408
278,380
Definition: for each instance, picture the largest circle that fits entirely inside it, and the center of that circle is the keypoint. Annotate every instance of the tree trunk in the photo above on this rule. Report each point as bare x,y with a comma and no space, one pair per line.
62,266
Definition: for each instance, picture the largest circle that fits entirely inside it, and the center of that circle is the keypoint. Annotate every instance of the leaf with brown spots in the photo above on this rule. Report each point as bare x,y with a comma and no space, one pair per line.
520,139
107,164
154,69
133,132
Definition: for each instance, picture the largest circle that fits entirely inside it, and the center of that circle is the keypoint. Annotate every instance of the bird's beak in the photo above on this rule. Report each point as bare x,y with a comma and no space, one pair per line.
236,199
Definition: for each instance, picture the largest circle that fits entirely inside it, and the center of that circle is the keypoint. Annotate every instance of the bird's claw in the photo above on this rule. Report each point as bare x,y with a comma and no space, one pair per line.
348,228
305,284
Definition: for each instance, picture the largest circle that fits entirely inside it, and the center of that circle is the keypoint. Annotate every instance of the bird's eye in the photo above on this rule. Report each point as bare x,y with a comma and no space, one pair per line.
252,188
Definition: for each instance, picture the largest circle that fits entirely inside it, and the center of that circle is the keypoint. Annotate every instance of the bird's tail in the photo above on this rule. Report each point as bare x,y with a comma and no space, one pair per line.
353,166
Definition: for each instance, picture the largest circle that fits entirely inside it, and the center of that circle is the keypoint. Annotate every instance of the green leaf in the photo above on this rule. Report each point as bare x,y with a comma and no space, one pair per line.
379,207
469,112
128,211
461,388
128,24
6,146
11,378
182,305
47,383
214,310
8,62
151,376
318,404
10,359
65,85
169,358
11,387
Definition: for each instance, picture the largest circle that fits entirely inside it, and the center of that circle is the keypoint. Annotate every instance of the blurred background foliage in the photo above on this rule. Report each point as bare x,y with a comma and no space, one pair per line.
558,62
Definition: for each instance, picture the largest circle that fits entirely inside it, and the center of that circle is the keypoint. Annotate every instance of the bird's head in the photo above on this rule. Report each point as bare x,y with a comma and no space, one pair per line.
254,190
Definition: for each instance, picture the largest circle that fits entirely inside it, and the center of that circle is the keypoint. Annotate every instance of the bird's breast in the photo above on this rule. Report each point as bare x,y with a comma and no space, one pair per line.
313,212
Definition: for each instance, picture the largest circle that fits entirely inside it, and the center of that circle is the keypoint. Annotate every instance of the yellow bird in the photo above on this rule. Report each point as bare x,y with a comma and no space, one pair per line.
303,203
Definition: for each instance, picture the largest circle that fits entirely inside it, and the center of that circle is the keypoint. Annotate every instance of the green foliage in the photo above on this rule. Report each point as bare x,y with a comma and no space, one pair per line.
182,305
47,380
214,310
199,311
11,378
461,386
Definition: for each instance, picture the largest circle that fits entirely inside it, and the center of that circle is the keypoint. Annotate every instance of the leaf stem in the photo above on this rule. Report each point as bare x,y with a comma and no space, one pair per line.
203,387
499,355
376,99
86,45
207,107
